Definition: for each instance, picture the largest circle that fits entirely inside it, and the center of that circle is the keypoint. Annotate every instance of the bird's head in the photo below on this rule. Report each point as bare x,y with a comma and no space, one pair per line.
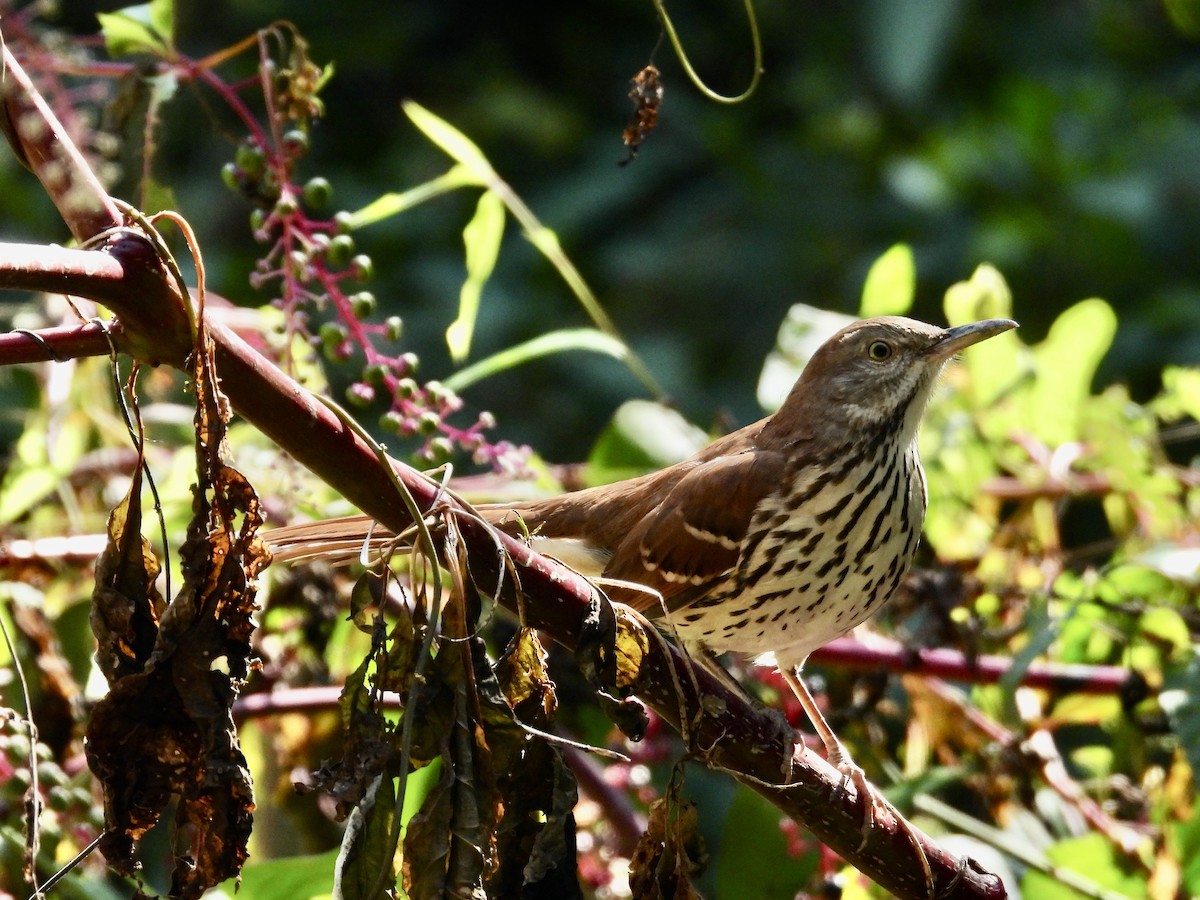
876,375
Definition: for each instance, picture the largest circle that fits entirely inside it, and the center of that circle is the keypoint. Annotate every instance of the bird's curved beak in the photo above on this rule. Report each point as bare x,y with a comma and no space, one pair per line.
963,336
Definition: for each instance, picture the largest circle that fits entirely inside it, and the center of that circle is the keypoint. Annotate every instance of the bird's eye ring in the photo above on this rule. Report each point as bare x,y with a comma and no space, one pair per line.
879,350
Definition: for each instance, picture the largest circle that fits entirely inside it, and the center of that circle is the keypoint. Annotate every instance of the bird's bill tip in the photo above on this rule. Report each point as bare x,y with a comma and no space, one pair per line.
962,336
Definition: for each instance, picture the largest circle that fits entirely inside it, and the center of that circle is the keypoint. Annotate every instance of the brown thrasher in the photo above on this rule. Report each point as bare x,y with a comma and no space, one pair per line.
776,538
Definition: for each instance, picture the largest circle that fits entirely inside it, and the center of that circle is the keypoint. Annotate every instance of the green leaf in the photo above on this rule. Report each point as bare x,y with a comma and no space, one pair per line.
985,296
162,18
1066,363
25,489
891,283
564,340
392,204
804,329
754,860
482,238
1185,836
457,145
1167,626
1181,394
1091,862
146,28
996,364
292,878
366,859
1185,15
1178,563
643,435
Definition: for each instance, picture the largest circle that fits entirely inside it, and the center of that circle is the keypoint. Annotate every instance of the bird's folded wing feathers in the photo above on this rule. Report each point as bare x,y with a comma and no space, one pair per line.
692,538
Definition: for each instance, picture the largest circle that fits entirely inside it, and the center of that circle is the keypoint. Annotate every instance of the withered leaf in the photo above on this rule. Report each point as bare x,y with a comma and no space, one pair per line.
126,603
670,853
525,680
165,729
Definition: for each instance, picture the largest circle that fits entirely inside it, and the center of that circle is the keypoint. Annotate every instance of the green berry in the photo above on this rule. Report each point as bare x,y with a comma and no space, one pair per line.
317,193
440,449
362,267
332,334
250,159
232,176
375,374
341,248
428,423
362,304
394,327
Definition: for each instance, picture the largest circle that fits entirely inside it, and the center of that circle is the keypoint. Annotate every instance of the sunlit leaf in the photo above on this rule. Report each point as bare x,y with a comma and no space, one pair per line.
643,435
292,878
803,330
1066,364
392,204
456,144
994,365
1167,626
482,237
1180,394
1177,563
565,340
147,28
25,489
162,18
1092,860
891,283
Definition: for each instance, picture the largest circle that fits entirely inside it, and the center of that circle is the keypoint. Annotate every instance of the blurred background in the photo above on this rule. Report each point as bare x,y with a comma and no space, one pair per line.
1059,141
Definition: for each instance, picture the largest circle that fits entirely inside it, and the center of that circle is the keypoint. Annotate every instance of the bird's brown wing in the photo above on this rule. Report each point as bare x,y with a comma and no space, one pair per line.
691,540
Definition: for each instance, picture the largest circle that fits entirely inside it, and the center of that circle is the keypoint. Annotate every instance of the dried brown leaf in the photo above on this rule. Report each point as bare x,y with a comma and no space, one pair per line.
671,852
165,730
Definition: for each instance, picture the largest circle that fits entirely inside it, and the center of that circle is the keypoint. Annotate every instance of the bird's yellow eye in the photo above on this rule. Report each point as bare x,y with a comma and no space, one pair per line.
879,350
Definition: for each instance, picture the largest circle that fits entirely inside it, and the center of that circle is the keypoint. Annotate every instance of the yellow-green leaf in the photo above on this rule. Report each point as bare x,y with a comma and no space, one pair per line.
456,144
394,203
1066,364
591,340
146,28
995,364
891,283
482,238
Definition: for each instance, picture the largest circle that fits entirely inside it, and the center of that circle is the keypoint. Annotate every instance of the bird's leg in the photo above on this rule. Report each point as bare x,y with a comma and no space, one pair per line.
836,752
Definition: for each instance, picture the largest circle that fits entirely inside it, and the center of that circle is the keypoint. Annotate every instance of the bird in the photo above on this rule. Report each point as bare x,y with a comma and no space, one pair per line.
773,539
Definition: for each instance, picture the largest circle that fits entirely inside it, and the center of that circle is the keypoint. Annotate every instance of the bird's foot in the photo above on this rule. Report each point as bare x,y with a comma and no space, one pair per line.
875,806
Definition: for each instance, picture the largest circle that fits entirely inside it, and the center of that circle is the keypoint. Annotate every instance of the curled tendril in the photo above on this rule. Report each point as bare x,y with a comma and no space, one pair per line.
755,39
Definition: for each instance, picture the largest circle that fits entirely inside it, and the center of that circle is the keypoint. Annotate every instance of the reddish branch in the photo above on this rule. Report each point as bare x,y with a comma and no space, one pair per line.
731,734
955,666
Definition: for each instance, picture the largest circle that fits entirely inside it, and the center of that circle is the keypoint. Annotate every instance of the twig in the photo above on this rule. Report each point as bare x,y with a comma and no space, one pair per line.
953,665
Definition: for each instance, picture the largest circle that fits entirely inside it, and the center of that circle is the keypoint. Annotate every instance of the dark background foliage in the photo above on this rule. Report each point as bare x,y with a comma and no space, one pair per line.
1058,140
